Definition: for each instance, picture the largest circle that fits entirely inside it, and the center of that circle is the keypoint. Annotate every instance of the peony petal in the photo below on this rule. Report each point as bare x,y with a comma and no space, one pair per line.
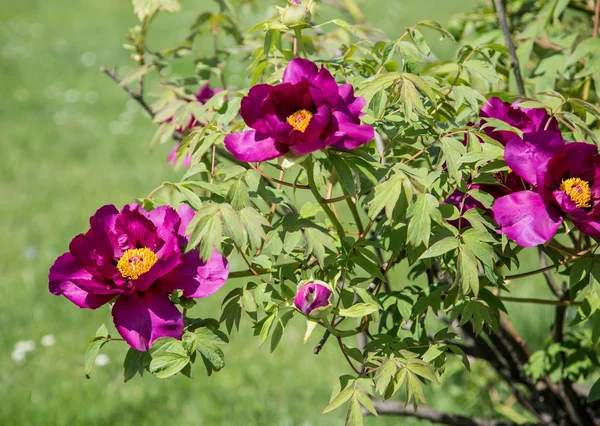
186,213
135,229
64,274
94,260
526,156
102,232
298,69
525,218
141,318
349,102
195,277
254,146
303,148
206,92
325,82
590,226
575,159
355,134
251,107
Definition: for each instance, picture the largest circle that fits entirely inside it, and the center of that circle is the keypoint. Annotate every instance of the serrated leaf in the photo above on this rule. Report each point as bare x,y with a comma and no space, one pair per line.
253,223
386,196
420,213
232,223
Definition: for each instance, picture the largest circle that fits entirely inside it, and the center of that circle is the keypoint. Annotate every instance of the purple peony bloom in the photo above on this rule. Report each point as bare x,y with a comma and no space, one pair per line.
528,120
566,181
312,295
137,257
172,159
307,112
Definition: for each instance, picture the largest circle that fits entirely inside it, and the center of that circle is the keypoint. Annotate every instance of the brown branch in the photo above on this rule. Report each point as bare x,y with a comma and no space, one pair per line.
548,276
137,96
396,408
514,60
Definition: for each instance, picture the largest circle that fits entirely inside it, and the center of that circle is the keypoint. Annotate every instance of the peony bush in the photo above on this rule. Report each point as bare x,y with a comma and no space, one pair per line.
344,159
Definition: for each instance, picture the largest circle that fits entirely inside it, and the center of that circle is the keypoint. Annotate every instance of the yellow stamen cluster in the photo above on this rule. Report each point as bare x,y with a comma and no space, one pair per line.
135,262
578,190
300,120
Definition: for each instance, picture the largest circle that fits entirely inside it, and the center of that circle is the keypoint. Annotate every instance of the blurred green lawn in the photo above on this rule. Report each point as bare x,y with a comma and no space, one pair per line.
72,141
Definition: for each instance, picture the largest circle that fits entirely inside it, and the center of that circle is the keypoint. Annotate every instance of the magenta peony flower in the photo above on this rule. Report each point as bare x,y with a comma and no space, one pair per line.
172,159
312,297
528,120
138,257
566,182
307,112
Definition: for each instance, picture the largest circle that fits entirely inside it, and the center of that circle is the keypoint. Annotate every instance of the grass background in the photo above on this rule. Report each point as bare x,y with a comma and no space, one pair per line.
72,141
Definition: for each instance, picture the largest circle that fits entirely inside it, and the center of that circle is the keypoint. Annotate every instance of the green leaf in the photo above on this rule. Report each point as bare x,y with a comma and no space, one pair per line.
594,394
354,416
411,98
453,151
144,8
437,27
168,364
189,195
135,363
386,196
253,223
420,214
366,402
384,376
189,341
419,41
468,274
209,343
91,353
206,230
423,371
237,195
500,125
359,310
483,69
233,225
340,398
443,246
266,328
344,174
279,328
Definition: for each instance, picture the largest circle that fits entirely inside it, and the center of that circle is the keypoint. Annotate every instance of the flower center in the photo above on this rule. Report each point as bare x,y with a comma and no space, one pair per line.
300,120
135,262
578,190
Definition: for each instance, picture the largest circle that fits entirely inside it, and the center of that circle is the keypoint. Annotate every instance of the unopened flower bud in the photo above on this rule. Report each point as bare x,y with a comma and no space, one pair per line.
312,298
295,15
